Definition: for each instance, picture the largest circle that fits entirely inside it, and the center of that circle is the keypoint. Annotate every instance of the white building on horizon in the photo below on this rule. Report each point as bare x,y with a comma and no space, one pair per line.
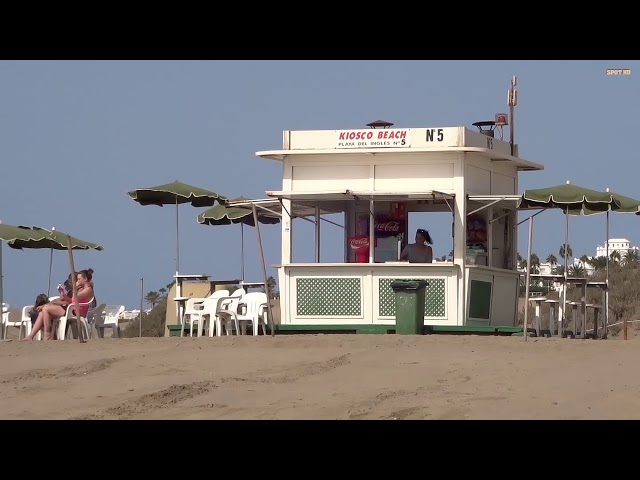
621,245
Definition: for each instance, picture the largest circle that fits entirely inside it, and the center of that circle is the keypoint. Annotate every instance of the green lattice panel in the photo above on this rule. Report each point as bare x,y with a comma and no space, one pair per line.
329,297
435,298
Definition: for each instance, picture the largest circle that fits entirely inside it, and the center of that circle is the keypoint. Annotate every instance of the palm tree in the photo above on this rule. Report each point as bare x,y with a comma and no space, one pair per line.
615,256
584,259
630,258
522,264
163,292
552,260
152,298
535,263
598,263
576,271
271,282
565,251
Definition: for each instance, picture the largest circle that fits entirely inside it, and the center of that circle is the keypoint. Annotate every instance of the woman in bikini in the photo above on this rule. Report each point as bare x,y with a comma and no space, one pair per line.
57,308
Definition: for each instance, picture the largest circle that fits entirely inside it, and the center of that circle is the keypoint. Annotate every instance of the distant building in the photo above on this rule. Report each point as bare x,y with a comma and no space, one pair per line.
621,245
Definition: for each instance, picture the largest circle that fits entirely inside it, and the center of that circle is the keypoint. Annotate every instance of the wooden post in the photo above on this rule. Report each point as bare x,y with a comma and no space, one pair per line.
81,338
624,328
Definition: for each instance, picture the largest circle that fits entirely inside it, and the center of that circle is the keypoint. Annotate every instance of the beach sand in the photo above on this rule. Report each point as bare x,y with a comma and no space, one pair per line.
321,377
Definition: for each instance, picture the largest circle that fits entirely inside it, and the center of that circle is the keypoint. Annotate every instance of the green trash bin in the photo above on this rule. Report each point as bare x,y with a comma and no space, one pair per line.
410,304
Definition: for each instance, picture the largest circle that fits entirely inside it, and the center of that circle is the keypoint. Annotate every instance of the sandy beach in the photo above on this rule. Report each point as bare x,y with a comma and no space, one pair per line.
321,377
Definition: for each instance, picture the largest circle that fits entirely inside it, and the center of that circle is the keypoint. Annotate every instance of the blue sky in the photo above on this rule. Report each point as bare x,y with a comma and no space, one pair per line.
77,135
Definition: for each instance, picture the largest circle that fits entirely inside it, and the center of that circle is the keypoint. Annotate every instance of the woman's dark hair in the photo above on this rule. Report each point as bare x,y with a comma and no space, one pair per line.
426,235
88,273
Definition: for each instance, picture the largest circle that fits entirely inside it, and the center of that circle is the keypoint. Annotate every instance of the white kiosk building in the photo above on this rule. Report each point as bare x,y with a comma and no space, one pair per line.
375,177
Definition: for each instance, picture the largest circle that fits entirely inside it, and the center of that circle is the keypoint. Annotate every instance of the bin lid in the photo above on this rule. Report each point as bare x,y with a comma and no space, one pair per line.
408,284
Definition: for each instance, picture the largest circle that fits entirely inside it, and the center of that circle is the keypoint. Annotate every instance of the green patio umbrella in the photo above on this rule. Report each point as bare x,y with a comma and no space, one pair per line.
627,205
53,240
569,197
40,238
176,193
9,233
572,200
619,204
228,215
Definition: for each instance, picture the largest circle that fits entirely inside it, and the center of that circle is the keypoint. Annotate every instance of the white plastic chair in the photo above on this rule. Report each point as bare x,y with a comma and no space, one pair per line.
225,312
69,317
255,308
26,320
6,323
25,323
209,311
110,318
94,316
195,310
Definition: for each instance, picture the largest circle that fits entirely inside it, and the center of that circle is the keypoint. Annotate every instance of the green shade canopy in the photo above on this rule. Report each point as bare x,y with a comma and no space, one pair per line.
175,193
570,198
10,233
38,237
226,215
627,204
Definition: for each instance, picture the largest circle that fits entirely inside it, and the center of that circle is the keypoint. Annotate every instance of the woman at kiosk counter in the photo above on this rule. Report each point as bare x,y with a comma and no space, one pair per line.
421,251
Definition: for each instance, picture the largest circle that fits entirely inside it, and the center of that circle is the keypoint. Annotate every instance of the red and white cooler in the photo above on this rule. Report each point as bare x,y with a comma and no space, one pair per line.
360,245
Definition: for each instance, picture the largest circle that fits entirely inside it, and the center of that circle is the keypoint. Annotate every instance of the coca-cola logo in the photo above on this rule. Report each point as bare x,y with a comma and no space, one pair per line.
358,242
391,226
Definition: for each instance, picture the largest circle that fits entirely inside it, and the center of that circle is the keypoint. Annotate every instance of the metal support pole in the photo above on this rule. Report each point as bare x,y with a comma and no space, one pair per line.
372,231
606,292
264,270
528,278
141,300
317,234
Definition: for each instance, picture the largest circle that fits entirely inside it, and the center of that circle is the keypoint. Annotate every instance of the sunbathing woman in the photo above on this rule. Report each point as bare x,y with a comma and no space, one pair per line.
57,308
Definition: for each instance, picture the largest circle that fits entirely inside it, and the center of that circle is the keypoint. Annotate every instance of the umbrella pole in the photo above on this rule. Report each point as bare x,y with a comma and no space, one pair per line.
242,251
50,268
141,299
528,277
81,338
564,288
178,291
264,270
606,292
177,238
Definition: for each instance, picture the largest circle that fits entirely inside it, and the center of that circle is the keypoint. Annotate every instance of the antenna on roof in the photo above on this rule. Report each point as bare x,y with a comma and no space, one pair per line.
512,101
